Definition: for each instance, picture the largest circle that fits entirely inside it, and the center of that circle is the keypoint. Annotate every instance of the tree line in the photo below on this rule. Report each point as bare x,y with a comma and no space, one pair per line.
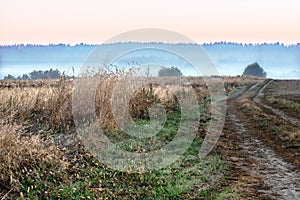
47,74
253,69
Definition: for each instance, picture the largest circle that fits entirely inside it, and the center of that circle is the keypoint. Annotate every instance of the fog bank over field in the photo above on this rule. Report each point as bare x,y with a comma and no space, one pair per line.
279,61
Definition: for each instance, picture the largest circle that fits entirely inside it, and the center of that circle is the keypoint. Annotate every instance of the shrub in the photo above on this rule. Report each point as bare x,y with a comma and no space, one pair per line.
254,70
172,71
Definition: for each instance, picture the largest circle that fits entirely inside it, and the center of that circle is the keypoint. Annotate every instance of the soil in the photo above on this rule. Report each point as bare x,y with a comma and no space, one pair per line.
283,90
279,112
262,166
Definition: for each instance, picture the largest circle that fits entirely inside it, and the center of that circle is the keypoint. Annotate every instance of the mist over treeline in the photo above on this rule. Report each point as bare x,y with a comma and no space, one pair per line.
279,60
220,52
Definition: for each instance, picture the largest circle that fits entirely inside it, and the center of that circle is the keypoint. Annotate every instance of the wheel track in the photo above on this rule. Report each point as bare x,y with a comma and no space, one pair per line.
260,172
279,113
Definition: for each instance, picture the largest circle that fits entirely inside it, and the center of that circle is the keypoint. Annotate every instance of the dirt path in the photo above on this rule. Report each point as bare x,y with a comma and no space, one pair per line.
258,171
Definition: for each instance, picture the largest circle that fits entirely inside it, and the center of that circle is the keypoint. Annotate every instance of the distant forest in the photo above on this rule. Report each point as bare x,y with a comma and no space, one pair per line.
47,74
278,60
204,44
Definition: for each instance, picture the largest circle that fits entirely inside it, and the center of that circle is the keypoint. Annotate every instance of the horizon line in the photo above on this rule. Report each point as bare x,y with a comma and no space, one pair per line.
148,42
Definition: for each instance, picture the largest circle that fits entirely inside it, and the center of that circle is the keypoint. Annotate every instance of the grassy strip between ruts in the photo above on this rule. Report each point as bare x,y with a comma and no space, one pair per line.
283,103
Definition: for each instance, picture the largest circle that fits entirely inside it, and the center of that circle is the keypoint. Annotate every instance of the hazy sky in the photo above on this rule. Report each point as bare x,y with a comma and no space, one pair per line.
94,21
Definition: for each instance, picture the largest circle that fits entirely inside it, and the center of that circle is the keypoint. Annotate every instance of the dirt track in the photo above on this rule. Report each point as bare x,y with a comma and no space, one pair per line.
260,170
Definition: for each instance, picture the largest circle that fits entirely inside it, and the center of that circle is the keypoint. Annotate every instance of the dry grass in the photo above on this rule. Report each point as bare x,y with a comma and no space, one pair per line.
295,136
24,158
49,103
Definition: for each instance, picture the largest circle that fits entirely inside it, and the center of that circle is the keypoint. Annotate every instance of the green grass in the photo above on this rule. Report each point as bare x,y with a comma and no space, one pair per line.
283,103
268,123
237,91
91,179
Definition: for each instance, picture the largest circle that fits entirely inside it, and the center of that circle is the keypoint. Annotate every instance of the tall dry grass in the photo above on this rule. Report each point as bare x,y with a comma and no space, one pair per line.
163,91
24,155
24,158
47,102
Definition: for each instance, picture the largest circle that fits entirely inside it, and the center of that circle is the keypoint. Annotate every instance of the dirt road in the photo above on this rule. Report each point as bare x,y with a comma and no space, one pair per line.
260,169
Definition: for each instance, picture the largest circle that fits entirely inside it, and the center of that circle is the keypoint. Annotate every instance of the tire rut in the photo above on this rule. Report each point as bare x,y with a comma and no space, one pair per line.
259,171
281,178
277,112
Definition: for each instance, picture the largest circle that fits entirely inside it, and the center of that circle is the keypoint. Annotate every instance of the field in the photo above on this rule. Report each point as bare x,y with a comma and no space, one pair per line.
285,96
42,155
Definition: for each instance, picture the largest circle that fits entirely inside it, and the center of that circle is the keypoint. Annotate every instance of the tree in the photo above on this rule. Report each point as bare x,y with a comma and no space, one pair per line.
25,77
254,69
9,77
171,71
53,73
34,74
45,74
38,75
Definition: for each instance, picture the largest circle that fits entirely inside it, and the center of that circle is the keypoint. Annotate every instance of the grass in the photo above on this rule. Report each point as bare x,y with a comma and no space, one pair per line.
269,123
283,103
94,180
36,114
26,160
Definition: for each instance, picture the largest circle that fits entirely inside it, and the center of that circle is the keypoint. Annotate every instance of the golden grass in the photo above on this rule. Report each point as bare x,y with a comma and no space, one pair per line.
25,157
49,102
295,136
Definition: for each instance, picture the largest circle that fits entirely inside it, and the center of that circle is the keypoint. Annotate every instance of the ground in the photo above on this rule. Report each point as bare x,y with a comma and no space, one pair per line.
261,145
255,157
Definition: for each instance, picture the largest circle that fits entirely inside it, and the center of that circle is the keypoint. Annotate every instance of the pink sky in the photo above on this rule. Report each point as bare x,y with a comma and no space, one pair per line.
94,21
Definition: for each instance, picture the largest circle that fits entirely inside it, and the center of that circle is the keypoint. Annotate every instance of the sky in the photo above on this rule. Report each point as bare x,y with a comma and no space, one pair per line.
95,21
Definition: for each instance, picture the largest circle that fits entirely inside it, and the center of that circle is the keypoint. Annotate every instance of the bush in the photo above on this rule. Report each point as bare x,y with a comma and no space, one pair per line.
254,69
172,71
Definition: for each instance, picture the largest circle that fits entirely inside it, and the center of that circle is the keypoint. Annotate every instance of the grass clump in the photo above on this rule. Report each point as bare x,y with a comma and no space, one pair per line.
28,163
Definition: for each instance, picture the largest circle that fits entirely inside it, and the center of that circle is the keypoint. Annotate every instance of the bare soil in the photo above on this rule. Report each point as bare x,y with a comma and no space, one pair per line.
263,165
283,90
